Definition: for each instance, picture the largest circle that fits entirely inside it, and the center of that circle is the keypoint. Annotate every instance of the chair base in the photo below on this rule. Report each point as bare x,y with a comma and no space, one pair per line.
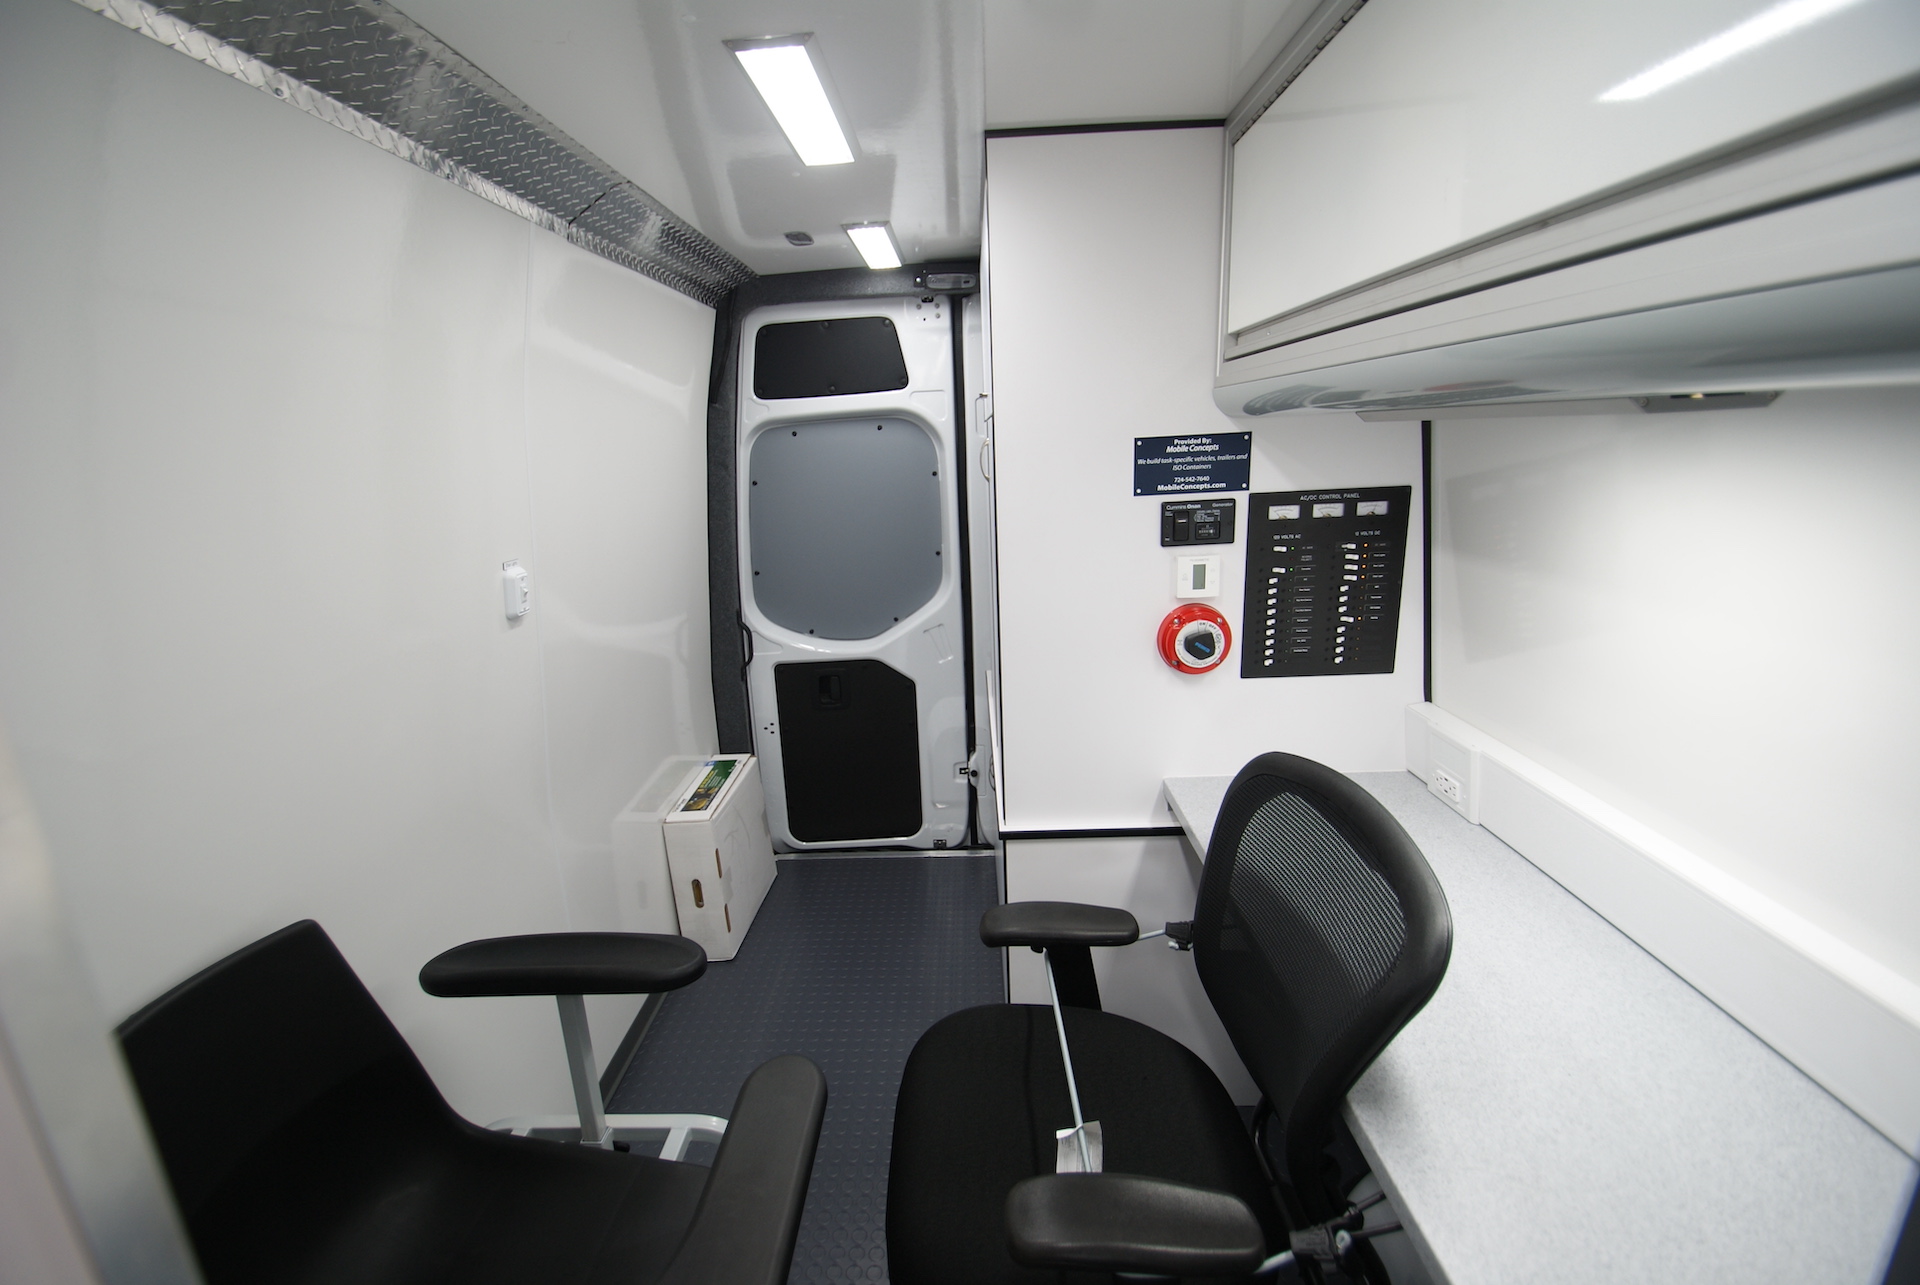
663,1135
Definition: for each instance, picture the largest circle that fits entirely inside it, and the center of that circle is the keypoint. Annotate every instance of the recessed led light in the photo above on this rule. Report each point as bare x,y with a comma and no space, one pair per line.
1770,24
783,71
874,241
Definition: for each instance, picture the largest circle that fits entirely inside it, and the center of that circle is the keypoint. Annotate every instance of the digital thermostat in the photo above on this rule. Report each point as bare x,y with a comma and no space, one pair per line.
1196,577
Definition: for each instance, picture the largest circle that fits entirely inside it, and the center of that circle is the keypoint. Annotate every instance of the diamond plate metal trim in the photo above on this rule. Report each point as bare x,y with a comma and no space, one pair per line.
365,67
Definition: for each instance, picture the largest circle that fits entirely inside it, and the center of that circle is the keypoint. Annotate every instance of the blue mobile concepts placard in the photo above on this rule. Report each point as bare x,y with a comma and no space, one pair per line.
1184,465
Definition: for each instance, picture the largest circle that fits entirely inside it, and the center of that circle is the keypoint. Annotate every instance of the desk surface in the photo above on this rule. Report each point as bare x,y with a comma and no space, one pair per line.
1566,1109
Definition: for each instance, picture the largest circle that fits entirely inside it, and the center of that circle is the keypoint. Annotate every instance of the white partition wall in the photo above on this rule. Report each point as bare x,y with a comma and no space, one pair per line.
1104,260
1706,628
275,407
1709,624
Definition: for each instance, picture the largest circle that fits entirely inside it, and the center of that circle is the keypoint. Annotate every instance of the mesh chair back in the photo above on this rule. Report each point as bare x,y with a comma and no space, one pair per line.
1319,932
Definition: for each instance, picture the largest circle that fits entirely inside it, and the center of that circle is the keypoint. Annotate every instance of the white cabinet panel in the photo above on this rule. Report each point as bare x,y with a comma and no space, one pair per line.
1428,124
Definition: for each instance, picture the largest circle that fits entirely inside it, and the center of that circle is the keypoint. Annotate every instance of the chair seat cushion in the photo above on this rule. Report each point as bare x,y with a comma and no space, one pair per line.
980,1100
359,1192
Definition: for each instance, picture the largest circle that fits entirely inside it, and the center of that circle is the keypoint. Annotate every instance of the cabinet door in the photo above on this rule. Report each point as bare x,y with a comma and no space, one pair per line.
1427,127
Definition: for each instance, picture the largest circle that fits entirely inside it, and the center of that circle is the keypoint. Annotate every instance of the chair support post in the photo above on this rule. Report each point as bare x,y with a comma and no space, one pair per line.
1066,1060
586,1085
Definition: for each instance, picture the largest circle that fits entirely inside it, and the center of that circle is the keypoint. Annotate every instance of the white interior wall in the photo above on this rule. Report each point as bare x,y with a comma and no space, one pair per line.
277,406
1105,252
38,1239
1707,621
616,371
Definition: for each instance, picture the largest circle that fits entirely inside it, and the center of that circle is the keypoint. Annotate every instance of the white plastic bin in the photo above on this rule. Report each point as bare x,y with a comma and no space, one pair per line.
719,852
642,884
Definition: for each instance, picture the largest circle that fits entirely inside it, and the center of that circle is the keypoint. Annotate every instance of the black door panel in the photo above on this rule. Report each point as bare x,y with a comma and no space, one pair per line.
850,750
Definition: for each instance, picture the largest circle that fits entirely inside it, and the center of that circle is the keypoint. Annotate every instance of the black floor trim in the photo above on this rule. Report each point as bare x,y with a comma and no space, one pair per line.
1426,560
1113,127
1123,832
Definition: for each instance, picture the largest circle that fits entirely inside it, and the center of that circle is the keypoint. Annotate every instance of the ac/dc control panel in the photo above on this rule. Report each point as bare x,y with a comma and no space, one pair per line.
1324,570
1197,522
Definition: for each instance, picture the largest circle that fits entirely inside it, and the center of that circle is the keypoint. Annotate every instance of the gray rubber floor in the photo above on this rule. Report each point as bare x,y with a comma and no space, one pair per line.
850,959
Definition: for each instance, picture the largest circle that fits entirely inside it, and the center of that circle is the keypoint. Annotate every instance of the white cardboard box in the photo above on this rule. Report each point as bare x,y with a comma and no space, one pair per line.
719,852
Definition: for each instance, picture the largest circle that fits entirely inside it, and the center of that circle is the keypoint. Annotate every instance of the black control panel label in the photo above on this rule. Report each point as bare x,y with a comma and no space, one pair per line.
1324,570
1197,521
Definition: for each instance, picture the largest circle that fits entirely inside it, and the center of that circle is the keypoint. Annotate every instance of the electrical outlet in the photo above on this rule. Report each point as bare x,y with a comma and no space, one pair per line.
1453,773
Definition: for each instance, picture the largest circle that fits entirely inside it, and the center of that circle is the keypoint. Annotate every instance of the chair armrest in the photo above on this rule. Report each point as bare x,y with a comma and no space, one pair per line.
1057,923
743,1231
1121,1222
565,964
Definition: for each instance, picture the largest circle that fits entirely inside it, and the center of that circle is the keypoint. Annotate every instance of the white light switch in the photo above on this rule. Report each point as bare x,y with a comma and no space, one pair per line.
1197,577
513,581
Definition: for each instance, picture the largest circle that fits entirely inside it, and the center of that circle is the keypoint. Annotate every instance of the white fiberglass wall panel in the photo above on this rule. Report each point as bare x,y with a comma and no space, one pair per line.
616,370
275,407
1707,621
1084,361
1428,123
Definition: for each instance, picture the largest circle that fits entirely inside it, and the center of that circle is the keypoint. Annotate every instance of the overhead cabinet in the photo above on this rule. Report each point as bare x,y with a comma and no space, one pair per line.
1673,155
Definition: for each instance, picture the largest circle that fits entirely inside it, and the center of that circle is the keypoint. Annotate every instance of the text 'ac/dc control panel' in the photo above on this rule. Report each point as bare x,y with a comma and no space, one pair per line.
1324,570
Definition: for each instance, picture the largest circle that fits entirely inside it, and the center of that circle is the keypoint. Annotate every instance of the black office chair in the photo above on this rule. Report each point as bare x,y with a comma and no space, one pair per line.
1318,933
305,1143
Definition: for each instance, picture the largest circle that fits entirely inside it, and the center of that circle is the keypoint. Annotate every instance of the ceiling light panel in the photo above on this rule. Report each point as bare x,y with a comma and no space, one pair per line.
874,241
783,71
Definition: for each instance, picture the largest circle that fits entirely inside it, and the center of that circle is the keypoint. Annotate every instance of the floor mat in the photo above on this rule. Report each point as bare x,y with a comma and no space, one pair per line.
850,959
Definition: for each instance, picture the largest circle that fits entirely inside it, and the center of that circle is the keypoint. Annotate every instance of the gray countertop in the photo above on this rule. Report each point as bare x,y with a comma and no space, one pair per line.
1568,1109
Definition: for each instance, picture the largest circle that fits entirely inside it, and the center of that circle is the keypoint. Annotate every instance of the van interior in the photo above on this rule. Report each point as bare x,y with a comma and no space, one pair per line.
1073,640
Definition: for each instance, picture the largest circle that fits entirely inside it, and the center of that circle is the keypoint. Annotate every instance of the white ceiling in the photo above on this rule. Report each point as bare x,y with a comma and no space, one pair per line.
650,87
1059,62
